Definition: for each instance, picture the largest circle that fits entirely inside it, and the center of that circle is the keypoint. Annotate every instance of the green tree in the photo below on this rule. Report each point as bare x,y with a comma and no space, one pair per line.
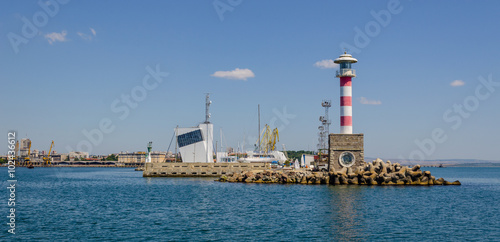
297,154
112,157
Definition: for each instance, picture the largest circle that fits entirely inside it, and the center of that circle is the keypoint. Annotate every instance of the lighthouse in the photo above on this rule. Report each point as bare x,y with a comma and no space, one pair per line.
345,73
346,149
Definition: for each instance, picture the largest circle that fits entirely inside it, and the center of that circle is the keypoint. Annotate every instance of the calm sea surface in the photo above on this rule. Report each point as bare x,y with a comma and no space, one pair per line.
119,204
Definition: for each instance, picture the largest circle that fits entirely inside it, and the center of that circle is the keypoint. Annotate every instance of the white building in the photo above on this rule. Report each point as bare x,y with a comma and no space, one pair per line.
24,147
78,154
306,160
196,143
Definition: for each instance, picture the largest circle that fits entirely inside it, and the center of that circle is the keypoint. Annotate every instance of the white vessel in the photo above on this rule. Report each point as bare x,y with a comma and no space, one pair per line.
225,157
264,157
265,151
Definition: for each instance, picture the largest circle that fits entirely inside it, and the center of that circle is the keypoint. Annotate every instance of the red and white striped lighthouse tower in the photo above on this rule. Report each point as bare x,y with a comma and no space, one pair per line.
345,73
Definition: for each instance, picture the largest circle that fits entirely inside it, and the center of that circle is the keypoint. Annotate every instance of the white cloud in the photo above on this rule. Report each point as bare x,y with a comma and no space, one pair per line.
84,36
87,36
325,64
457,83
364,100
236,74
54,37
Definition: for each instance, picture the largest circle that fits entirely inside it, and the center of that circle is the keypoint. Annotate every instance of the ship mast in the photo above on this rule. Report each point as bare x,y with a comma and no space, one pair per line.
258,107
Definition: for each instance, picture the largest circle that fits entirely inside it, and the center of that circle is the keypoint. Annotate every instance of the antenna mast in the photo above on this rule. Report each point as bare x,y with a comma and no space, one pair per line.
324,129
259,125
207,108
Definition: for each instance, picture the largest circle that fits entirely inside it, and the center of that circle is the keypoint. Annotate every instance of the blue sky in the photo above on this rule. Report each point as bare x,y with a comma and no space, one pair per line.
64,78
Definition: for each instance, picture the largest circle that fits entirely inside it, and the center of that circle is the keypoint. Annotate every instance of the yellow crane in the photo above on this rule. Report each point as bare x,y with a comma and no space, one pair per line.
275,136
266,137
269,139
46,159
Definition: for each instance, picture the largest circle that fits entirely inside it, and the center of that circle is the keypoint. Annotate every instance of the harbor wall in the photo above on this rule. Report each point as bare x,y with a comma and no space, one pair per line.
172,169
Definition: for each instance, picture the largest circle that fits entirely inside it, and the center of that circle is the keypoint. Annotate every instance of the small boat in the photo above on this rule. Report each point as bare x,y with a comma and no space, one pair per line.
30,166
263,157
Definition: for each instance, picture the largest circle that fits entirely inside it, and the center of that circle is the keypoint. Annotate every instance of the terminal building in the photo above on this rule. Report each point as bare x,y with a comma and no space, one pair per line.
140,157
196,143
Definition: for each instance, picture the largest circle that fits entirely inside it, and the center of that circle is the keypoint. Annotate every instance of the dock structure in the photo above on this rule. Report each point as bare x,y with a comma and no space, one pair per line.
200,169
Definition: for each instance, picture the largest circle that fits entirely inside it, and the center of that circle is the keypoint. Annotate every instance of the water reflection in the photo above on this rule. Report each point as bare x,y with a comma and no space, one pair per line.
346,207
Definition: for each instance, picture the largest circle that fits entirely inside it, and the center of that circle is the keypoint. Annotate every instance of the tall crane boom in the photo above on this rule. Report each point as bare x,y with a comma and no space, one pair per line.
46,159
269,139
276,137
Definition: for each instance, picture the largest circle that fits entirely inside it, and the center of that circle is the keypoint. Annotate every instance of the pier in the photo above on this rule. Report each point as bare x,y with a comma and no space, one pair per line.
198,169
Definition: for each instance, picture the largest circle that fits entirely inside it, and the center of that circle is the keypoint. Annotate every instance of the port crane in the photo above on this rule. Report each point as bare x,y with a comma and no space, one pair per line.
266,137
46,159
275,137
269,139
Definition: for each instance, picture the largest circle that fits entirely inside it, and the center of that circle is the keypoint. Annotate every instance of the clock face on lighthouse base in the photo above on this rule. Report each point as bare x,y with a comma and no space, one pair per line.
346,159
346,150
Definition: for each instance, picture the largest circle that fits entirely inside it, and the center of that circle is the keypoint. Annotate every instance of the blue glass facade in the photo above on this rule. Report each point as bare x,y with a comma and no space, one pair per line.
189,138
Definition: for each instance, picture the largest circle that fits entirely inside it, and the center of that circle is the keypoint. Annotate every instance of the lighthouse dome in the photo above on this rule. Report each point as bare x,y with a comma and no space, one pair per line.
345,58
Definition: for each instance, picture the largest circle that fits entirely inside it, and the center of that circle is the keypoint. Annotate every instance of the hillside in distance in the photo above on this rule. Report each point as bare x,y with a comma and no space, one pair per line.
444,162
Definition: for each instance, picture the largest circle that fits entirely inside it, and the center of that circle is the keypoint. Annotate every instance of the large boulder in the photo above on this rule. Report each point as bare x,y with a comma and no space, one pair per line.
415,175
416,168
342,171
325,180
336,180
303,180
371,168
284,178
359,170
343,180
375,173
384,169
403,169
424,181
353,181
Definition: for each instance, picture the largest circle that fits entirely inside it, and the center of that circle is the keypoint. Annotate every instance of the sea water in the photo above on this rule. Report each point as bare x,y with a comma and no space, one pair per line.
119,204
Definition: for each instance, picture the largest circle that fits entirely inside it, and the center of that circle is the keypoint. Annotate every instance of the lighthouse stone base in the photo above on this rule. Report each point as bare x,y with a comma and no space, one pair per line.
346,150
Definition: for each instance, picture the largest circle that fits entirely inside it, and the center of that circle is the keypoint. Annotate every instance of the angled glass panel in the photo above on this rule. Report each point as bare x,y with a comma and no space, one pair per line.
189,138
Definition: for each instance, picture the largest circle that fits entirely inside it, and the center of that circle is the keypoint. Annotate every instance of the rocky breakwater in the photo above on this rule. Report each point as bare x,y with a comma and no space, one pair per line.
376,173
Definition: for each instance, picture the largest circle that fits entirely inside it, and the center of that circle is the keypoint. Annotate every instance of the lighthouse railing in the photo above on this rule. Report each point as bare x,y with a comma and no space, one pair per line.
346,72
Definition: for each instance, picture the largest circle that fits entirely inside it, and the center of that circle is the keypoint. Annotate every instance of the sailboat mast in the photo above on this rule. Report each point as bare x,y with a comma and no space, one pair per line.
258,107
176,128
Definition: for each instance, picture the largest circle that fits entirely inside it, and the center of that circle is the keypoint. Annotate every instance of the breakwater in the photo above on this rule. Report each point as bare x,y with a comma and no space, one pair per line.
376,173
200,169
